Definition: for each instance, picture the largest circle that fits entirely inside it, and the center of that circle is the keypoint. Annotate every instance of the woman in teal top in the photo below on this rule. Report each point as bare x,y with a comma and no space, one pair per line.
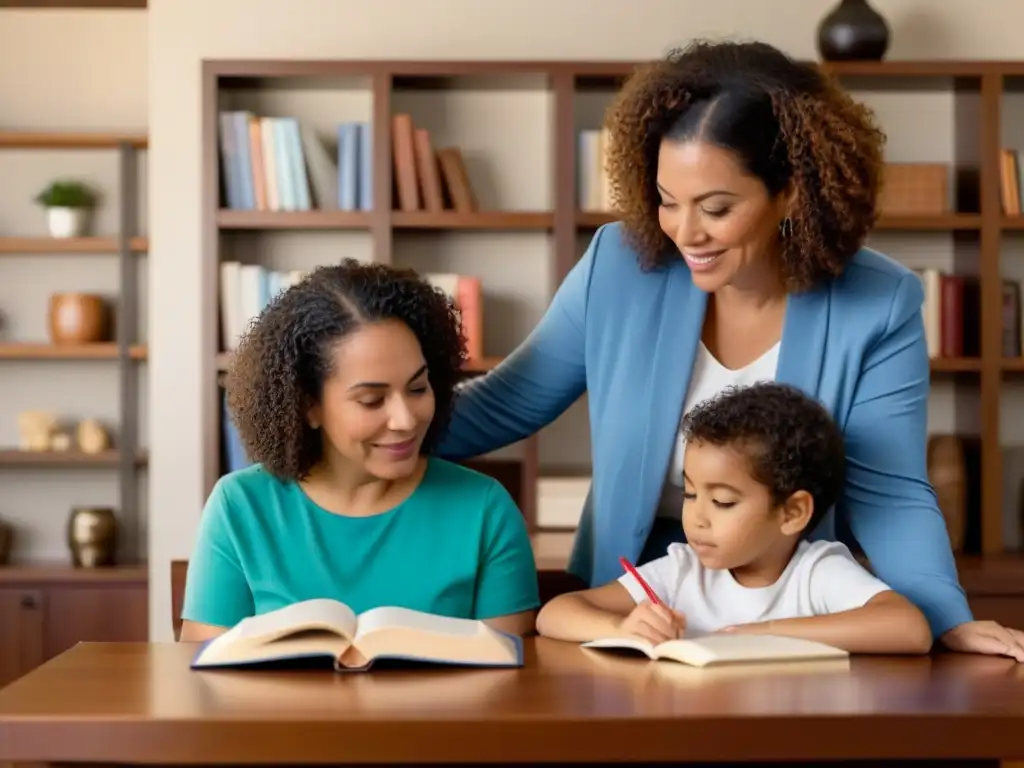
337,391
746,184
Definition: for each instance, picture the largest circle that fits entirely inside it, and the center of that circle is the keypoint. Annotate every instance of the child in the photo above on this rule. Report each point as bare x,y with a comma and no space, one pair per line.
763,465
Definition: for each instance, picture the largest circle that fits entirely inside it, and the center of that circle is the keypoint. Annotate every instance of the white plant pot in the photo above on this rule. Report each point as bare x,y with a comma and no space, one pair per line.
66,222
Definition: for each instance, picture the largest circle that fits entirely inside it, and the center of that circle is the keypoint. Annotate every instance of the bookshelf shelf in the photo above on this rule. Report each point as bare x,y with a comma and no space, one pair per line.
956,365
43,351
56,246
72,140
231,219
12,457
948,222
481,220
473,367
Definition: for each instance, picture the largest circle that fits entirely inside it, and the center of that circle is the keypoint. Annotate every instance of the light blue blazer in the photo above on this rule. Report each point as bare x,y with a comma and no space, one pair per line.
628,338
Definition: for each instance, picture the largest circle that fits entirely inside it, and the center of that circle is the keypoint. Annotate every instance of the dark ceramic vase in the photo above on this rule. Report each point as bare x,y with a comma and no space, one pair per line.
853,31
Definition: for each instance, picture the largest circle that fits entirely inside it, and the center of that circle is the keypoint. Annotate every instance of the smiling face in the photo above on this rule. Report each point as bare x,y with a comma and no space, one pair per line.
730,519
377,405
720,217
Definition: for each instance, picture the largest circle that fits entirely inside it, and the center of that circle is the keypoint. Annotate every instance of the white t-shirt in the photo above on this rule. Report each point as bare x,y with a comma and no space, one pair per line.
709,378
822,577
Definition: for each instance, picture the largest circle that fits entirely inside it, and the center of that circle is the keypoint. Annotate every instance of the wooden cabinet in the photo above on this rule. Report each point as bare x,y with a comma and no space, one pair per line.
44,611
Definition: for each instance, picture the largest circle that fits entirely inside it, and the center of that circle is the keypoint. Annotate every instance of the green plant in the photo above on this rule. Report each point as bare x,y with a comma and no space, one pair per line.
67,194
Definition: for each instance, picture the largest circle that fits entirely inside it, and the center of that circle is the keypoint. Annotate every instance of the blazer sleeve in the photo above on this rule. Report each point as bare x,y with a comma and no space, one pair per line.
534,385
888,500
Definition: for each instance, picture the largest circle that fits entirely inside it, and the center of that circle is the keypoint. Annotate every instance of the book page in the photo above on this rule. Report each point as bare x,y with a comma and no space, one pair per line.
385,617
319,613
723,648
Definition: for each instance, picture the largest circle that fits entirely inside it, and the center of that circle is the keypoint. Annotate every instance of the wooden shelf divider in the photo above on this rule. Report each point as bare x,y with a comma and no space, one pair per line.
13,457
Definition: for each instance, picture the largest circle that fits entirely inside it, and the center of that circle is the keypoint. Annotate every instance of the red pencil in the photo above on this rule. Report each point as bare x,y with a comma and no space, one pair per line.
640,580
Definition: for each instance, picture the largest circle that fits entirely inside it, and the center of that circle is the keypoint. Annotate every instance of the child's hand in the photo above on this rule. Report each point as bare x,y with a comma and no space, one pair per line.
653,623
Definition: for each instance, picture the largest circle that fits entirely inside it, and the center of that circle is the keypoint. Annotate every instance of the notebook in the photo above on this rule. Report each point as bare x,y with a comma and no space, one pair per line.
714,650
330,630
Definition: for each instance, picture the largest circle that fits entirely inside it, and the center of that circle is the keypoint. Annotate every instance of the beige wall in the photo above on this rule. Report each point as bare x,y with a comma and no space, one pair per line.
183,32
61,70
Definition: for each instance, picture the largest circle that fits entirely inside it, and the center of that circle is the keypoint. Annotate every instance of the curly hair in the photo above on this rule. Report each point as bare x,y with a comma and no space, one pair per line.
789,123
790,442
285,356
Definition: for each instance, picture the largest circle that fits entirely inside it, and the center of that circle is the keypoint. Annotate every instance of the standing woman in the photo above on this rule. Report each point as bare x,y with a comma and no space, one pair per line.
747,184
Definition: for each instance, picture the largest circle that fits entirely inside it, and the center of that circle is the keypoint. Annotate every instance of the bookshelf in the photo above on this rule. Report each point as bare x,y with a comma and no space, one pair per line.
975,225
127,247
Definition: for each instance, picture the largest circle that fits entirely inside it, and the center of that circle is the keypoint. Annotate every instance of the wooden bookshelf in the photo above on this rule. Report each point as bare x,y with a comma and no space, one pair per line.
124,351
976,225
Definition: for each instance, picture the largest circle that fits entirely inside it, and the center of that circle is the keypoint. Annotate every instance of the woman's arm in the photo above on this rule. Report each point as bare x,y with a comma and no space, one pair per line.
887,499
535,384
217,594
507,589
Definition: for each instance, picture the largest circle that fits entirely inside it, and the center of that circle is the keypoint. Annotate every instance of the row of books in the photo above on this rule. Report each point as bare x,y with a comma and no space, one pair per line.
952,315
593,189
280,164
246,289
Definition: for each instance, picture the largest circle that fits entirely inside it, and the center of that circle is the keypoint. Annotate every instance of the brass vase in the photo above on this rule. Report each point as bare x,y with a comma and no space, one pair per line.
92,536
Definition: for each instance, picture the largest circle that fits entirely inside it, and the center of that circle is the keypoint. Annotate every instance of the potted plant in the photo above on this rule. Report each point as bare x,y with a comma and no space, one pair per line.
68,204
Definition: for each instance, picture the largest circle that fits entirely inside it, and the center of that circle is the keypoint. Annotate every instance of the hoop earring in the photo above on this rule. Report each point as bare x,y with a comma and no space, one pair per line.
786,228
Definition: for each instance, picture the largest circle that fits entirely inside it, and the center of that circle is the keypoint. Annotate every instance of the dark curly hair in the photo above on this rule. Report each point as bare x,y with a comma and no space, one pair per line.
791,443
790,125
286,355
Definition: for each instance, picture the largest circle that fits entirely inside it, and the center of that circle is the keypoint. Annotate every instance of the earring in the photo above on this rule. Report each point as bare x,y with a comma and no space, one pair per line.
786,228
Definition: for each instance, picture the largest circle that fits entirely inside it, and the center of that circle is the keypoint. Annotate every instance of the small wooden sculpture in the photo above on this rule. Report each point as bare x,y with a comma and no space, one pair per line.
92,437
36,430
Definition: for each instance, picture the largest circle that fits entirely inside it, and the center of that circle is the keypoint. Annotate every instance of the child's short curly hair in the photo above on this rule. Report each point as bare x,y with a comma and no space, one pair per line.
791,443
282,361
788,123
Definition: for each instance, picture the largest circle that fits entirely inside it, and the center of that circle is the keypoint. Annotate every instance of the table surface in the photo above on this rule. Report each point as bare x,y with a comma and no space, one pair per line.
140,703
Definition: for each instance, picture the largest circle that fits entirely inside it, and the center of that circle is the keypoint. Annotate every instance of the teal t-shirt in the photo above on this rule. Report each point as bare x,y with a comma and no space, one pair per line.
458,546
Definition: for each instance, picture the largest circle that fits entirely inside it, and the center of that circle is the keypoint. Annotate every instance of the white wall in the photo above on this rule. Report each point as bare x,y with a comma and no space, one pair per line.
184,32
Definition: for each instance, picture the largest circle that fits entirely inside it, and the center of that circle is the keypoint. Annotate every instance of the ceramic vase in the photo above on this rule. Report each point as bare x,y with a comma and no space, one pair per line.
853,31
66,222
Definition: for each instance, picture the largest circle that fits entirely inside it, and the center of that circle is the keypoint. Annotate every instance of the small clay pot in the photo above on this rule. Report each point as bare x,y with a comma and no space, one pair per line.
77,318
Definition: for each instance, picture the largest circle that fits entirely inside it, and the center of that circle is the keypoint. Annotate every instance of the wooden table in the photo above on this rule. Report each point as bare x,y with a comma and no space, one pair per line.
139,703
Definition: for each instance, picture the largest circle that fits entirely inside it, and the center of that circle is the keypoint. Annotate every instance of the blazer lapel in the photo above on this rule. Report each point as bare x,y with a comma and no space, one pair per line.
804,331
682,316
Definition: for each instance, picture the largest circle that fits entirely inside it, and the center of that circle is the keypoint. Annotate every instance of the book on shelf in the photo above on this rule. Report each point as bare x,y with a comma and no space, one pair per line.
715,650
282,164
952,314
466,292
427,179
593,183
245,291
329,630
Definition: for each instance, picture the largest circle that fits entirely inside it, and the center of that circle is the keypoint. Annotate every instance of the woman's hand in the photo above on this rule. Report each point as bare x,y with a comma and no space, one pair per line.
986,637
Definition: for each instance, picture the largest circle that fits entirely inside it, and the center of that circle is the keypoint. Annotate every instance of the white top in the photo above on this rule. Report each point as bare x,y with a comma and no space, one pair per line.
821,578
709,378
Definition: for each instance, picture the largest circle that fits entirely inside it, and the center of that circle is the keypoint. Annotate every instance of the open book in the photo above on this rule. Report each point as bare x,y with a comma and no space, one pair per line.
323,628
712,650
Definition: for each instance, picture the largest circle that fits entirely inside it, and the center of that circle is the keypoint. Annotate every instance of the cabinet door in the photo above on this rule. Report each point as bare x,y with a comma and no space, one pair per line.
21,632
95,613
